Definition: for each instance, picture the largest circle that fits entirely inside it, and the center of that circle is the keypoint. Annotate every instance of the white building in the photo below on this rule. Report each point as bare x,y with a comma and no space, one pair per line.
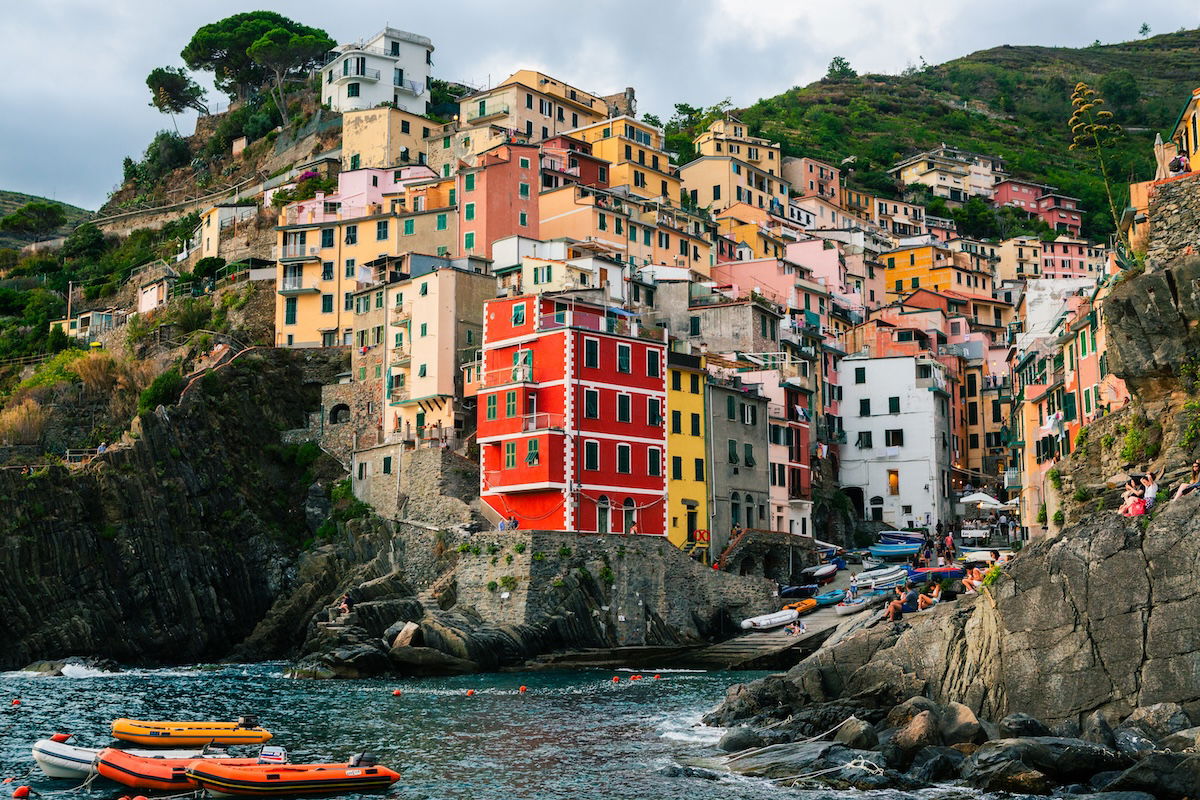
896,462
390,67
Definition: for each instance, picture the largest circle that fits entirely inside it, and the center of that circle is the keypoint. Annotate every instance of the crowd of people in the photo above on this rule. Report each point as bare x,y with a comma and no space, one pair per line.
909,600
1141,494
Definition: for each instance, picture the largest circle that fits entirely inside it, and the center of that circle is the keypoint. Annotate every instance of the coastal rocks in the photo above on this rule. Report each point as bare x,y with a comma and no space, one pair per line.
772,696
1167,776
919,732
1097,730
1021,725
1159,720
935,764
1187,739
959,725
857,734
740,738
425,661
54,669
831,763
1035,764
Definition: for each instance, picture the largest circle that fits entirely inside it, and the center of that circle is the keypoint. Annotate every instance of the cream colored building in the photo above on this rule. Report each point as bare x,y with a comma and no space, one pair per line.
730,137
534,104
1020,259
383,137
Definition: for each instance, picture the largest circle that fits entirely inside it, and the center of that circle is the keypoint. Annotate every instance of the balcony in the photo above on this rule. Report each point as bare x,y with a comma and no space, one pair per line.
489,111
364,74
412,87
400,316
292,285
397,396
399,356
1012,478
555,165
542,422
604,323
296,252
507,376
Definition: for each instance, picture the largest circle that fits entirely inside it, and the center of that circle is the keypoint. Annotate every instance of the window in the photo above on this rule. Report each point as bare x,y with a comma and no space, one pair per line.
654,461
591,403
491,406
327,237
591,455
623,358
510,404
652,363
424,328
623,408
860,374
352,91
410,227
864,407
347,301
676,468
523,162
893,437
441,222
654,411
864,440
893,479
351,234
422,371
893,405
327,271
510,455
326,304
424,289
676,422
693,326
523,219
469,211
732,451
523,189
749,461
381,230
289,311
695,384
350,267
532,457
591,353
699,469
469,241
518,314
623,461
676,380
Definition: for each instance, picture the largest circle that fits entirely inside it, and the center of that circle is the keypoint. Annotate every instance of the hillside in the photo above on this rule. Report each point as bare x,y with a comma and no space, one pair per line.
11,201
1011,101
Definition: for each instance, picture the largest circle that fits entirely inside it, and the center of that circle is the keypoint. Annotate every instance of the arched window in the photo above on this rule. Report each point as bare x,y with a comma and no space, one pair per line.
603,517
630,514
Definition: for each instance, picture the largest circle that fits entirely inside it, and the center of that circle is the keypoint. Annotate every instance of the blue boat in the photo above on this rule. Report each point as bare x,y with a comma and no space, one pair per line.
901,537
831,598
893,550
807,590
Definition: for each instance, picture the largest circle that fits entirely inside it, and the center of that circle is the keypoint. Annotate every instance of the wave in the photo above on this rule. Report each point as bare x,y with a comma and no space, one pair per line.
688,728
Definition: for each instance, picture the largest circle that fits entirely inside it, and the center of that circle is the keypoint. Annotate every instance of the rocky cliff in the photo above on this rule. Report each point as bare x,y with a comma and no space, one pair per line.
172,545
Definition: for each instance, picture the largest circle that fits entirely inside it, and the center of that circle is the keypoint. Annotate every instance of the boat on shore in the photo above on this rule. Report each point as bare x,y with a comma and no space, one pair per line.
805,590
805,606
831,598
882,578
901,537
142,770
894,551
245,730
268,780
58,758
938,573
820,574
850,606
765,622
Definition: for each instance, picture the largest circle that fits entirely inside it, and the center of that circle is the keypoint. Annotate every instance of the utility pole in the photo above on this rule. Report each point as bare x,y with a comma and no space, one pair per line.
70,287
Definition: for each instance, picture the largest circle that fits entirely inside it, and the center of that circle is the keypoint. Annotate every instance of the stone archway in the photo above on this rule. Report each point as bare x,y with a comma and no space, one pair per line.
339,414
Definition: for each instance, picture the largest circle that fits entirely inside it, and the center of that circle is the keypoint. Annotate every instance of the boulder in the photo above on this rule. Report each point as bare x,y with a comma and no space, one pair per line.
427,661
1067,729
1132,742
1097,730
1187,739
1010,764
49,669
934,764
772,694
740,738
1167,776
405,636
857,734
1016,725
1159,720
899,716
959,724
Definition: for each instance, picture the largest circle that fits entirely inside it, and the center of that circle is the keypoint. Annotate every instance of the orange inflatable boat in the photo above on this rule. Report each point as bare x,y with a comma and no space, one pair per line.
223,779
155,772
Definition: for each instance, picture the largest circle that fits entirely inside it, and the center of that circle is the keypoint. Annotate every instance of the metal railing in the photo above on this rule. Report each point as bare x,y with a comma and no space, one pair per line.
625,326
294,251
519,373
542,422
491,110
410,86
559,166
1012,478
365,72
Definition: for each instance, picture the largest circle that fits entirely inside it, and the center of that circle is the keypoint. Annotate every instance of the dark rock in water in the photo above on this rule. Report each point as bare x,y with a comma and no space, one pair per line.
49,669
959,724
53,669
1067,729
857,734
899,716
1132,742
797,758
770,695
679,771
1167,776
740,738
1187,739
934,764
423,661
1097,730
1159,720
1102,779
1009,764
920,732
1017,725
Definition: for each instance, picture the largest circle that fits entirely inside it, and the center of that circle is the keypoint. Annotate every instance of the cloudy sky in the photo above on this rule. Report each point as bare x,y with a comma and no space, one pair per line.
75,101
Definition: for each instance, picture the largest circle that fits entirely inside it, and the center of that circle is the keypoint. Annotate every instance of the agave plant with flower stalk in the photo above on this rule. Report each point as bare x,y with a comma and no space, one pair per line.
1093,129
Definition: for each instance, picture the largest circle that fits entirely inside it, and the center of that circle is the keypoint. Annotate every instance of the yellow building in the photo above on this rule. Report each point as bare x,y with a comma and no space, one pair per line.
636,156
761,233
729,137
717,182
687,478
383,137
533,104
1186,134
1020,259
937,268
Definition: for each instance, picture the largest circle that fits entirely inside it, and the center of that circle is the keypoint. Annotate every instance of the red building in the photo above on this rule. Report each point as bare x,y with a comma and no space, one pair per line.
566,159
1019,194
1060,212
498,197
571,400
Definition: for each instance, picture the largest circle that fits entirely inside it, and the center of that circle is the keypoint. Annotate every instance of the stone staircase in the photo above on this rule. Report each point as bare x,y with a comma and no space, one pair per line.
431,597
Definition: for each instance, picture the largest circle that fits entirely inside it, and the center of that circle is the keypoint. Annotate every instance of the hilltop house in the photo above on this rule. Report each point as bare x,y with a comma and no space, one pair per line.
390,67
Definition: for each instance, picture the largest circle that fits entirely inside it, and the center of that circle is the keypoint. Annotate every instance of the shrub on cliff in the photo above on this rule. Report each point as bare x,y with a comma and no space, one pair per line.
163,391
23,423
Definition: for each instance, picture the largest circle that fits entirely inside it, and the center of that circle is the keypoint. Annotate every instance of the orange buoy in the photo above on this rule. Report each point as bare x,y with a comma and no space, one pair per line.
635,677
656,677
616,679
21,791
470,693
6,780
521,690
60,737
17,703
139,797
396,693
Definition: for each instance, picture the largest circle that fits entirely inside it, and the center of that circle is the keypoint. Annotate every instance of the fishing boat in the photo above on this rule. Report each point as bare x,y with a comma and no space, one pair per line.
765,622
901,537
984,556
245,730
940,573
894,551
806,590
362,774
155,770
805,606
820,574
882,578
830,598
60,759
849,606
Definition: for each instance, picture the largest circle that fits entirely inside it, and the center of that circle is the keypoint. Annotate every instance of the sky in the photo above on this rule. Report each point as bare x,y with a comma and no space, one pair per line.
76,103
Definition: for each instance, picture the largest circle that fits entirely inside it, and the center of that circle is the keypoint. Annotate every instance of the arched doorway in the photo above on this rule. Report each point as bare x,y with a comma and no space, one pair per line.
735,509
603,515
747,566
855,493
630,514
339,414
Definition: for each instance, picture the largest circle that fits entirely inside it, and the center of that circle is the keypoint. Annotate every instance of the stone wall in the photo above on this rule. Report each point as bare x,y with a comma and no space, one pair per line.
1174,220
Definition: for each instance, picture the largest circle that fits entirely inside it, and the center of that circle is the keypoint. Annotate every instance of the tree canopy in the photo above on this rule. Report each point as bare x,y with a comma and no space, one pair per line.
172,91
840,69
281,51
222,47
35,220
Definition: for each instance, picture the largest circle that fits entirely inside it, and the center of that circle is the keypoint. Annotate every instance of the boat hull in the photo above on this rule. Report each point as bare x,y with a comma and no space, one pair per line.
831,598
65,761
848,607
901,537
289,780
155,771
807,590
804,606
894,550
766,622
186,734
883,578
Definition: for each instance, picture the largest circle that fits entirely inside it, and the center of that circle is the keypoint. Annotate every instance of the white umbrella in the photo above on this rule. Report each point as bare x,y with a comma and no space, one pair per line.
980,497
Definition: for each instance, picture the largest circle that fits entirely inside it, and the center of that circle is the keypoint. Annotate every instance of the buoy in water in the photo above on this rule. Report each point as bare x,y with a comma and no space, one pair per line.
616,679
20,792
656,677
139,797
470,693
17,703
396,693
635,677
521,690
60,737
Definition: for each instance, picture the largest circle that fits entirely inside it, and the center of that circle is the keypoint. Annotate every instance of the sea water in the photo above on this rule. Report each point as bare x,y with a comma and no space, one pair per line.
572,734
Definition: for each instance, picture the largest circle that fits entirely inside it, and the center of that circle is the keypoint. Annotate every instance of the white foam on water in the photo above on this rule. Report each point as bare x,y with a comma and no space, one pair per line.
82,671
688,728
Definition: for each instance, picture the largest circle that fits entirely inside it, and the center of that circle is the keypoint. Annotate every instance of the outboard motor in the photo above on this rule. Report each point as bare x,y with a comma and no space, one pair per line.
248,721
363,760
272,755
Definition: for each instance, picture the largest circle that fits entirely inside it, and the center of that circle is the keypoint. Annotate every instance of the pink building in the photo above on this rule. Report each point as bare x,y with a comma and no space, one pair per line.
941,228
1061,213
1020,194
361,193
811,178
1066,258
498,197
830,268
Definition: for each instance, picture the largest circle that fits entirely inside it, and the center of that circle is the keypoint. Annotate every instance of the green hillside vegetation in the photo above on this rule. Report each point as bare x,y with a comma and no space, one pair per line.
1008,101
11,201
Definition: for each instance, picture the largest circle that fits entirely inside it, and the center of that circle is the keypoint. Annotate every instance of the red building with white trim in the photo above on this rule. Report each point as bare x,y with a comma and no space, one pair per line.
571,404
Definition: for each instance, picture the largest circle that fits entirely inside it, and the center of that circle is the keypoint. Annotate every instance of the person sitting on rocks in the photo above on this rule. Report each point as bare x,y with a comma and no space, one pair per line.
1191,484
912,602
895,608
930,598
1134,502
345,604
996,558
1150,485
973,580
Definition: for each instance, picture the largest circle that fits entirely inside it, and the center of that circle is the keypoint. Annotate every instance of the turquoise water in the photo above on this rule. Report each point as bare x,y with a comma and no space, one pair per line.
575,734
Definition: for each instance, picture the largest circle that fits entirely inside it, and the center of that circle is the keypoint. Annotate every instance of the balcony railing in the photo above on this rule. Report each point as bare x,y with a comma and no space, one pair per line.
409,86
625,326
399,355
490,110
504,376
289,251
1012,478
559,166
365,73
294,284
542,422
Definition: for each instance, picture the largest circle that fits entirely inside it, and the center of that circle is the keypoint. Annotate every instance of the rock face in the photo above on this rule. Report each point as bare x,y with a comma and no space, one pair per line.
170,546
1097,619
